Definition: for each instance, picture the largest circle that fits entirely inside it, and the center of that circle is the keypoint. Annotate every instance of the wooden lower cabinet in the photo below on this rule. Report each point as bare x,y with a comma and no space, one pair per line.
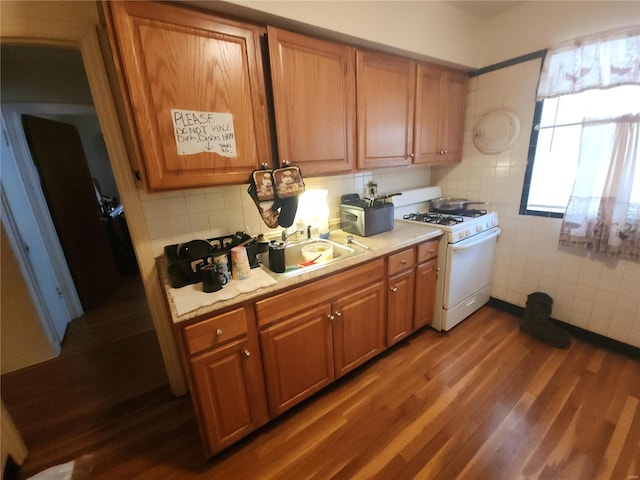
227,382
358,327
401,271
298,357
230,403
426,279
400,307
313,334
307,351
253,362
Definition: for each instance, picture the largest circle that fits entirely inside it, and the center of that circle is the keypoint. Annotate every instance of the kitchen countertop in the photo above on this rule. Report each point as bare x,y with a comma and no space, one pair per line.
404,234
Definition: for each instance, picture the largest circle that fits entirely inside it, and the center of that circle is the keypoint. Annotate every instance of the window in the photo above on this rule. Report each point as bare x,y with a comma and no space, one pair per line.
555,144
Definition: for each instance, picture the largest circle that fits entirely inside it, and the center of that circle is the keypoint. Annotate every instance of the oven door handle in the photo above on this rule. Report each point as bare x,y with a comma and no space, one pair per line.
463,245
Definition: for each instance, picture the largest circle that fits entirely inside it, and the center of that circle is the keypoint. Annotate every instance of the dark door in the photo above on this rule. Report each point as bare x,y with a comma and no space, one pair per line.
68,188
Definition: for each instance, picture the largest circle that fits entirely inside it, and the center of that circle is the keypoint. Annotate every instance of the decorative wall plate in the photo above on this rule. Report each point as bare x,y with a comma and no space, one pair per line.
496,131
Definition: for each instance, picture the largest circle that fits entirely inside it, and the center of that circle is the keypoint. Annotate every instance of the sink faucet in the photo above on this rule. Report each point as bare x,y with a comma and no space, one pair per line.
285,235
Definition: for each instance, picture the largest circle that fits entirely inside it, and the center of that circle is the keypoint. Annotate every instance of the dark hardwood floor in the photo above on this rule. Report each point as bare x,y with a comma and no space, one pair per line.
480,402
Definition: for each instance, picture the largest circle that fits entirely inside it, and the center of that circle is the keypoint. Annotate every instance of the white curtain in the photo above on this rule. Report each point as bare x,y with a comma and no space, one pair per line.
605,60
603,214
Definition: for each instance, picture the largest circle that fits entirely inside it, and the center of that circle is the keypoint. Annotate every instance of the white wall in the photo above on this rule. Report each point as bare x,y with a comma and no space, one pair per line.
599,295
439,31
23,342
428,29
540,24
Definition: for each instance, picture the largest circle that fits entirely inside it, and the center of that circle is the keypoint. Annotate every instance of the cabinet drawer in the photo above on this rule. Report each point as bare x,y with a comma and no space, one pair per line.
215,331
427,251
288,303
403,260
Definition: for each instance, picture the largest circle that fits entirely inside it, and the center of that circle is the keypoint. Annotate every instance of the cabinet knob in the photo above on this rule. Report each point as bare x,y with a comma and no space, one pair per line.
246,353
410,155
442,152
394,289
431,250
331,317
338,314
403,261
218,332
437,269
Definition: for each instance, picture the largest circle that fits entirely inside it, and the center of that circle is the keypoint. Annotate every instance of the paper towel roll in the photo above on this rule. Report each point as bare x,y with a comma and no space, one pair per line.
240,267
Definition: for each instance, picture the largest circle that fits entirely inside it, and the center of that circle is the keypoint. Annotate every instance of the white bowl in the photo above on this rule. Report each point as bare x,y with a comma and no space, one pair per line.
311,252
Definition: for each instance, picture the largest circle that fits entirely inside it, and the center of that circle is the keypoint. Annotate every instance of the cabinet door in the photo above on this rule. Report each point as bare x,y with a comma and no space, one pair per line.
426,278
439,121
226,392
297,357
358,327
176,59
314,86
428,127
385,108
400,306
454,108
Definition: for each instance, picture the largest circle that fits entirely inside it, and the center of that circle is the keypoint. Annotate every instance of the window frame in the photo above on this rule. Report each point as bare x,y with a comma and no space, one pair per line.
531,155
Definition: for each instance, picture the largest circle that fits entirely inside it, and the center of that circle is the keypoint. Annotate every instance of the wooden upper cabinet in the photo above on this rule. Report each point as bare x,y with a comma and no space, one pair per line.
385,109
172,58
439,121
315,102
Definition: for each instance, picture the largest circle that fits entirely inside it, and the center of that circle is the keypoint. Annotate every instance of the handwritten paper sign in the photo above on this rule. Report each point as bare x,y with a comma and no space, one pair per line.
204,132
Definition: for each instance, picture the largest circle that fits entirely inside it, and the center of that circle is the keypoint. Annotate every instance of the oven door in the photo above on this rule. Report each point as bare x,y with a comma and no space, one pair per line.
469,267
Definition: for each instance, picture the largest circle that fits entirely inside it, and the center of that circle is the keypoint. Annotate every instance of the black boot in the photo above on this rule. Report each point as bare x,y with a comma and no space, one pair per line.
536,322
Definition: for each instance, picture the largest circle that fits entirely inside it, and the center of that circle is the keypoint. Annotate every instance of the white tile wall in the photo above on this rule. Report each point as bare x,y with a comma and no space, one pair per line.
601,295
183,215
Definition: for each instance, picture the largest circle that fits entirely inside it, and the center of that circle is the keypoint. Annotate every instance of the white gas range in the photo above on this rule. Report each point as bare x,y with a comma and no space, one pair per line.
465,257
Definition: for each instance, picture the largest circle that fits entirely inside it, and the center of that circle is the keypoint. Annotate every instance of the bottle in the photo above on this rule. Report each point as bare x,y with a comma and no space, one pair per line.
323,216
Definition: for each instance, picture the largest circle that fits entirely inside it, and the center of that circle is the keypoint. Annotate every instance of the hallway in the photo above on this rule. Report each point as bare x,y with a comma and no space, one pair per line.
108,381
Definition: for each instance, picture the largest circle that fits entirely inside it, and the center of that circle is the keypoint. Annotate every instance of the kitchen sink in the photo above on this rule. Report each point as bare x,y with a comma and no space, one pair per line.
293,256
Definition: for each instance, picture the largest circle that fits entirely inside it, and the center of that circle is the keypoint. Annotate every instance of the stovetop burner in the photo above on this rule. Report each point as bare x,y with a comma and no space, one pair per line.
465,212
474,213
434,218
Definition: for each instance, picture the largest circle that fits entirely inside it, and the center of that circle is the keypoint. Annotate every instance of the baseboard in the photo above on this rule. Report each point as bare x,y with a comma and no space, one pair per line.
577,332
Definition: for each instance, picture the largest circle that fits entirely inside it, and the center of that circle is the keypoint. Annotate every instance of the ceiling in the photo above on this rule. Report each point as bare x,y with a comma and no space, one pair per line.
485,10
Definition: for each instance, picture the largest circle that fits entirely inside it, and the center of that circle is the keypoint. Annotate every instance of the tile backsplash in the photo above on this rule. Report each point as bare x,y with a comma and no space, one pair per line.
182,215
597,294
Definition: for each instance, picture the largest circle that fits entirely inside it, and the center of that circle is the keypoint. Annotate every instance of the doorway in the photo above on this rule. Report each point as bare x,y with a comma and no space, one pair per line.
27,86
35,91
77,25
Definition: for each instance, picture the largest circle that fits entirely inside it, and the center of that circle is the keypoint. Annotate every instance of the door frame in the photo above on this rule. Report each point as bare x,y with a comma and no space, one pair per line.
77,25
36,201
37,296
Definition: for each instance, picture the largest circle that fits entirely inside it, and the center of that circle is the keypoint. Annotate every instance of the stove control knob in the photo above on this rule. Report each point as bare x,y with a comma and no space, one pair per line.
478,228
467,232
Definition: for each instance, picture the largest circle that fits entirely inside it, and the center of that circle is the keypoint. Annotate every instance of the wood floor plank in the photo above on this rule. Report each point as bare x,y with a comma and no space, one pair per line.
618,439
481,401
